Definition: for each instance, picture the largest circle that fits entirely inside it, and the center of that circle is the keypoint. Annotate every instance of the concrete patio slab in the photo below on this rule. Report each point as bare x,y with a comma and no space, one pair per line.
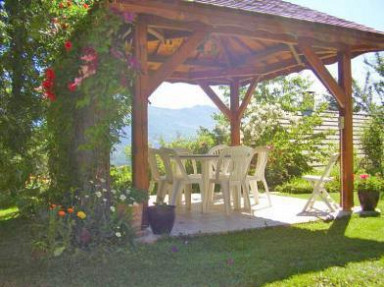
284,211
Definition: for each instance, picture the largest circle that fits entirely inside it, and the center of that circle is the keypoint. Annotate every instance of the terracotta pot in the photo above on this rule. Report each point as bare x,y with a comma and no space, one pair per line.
161,218
368,200
132,212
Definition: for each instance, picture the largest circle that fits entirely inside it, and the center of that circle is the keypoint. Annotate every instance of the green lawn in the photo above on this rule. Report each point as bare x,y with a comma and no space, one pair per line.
346,252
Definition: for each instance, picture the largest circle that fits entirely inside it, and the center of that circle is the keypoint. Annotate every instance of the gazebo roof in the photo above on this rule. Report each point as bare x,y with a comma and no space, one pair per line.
244,39
286,9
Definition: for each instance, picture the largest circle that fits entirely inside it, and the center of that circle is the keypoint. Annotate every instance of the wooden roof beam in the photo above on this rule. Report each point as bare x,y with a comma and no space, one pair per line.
322,73
215,99
189,62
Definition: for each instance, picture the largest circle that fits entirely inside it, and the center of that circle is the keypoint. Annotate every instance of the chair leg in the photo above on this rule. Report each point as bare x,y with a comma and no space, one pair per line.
236,195
226,197
160,192
205,198
311,200
247,200
267,191
177,188
255,190
188,195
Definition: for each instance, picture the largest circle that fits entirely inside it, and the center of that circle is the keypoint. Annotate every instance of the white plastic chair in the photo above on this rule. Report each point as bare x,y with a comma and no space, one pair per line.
215,151
185,151
318,182
181,180
233,179
258,175
163,181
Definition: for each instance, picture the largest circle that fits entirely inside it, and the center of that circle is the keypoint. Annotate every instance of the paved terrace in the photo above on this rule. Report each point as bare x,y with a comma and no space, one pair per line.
284,211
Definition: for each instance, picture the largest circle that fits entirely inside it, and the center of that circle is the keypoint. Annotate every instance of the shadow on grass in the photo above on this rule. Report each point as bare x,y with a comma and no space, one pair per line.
248,258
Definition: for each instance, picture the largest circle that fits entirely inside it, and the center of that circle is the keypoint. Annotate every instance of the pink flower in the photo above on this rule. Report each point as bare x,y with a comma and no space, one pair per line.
72,87
129,17
364,176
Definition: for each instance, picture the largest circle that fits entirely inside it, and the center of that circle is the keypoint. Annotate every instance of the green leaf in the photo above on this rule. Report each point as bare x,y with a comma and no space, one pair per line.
58,251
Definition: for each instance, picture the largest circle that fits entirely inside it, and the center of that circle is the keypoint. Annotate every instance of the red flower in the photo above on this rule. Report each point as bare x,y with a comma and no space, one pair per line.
47,84
61,5
70,210
72,87
50,95
364,176
85,5
68,45
49,74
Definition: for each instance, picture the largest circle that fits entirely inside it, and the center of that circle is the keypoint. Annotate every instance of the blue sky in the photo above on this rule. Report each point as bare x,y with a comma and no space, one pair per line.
366,12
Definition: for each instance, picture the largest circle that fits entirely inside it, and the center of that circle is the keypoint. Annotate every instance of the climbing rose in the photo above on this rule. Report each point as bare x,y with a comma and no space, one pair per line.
72,87
49,74
68,45
364,176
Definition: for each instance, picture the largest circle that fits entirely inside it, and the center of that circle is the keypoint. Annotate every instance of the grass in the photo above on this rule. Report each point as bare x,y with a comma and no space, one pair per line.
346,252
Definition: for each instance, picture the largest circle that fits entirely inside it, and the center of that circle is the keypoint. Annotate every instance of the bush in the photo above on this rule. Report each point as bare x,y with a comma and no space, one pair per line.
296,185
373,146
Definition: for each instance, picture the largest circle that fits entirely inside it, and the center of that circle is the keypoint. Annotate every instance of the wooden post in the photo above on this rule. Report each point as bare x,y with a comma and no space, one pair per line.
235,121
346,131
140,178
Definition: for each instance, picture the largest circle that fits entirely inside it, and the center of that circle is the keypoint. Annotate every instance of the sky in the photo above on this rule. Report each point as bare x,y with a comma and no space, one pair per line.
365,12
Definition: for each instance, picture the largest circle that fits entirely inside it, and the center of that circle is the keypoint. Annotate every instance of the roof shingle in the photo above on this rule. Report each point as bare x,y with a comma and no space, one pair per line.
286,9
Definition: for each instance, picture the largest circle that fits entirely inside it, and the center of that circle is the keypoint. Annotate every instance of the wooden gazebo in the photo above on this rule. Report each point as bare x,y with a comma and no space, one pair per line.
237,43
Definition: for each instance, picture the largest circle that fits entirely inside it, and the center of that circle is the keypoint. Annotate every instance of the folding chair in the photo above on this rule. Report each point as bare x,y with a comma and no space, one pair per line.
319,190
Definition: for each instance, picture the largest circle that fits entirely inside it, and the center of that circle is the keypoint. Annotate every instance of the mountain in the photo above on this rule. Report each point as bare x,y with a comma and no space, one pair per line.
168,124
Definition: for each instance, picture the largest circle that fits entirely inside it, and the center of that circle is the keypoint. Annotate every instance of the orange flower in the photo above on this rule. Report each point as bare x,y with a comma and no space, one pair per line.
52,206
70,210
61,213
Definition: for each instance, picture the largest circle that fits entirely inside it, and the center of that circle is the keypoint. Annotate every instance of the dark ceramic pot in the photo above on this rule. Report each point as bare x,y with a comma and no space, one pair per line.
161,218
368,200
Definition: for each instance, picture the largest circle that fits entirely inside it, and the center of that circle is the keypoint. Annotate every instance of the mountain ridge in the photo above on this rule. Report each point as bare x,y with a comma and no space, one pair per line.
167,124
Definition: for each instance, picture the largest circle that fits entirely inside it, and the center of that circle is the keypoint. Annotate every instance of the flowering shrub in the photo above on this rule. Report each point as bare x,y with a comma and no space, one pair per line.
366,183
95,217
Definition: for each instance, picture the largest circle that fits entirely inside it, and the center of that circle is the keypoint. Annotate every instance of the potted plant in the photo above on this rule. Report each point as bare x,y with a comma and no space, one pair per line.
368,188
161,218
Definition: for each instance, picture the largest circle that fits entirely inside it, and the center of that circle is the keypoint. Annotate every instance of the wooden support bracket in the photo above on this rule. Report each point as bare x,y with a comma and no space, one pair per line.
216,100
248,96
323,74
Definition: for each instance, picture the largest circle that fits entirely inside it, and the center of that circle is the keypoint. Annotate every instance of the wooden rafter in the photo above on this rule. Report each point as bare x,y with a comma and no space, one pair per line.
256,57
176,59
247,97
215,99
322,73
159,35
295,54
190,62
226,51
